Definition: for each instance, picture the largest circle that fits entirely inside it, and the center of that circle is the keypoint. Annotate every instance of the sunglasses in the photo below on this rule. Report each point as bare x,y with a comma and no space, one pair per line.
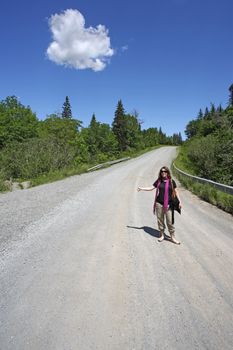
163,171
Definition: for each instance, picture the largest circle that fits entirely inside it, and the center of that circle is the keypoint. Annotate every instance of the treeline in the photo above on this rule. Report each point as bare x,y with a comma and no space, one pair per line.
209,146
30,147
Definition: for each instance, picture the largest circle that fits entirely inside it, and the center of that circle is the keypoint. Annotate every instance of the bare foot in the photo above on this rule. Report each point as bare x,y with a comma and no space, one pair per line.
173,240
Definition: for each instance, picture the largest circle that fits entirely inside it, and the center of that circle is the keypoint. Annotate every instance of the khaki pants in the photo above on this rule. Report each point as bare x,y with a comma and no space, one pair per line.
160,218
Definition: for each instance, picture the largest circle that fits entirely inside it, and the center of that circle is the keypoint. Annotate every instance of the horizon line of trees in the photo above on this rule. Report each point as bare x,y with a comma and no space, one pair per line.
209,144
30,147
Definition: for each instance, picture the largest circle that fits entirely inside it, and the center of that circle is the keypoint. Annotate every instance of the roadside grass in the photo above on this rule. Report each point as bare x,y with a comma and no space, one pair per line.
182,161
75,170
3,188
206,192
59,175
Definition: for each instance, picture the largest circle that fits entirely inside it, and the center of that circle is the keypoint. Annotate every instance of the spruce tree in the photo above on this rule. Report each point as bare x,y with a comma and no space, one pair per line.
92,137
212,109
206,114
162,136
180,138
66,111
231,96
200,114
119,126
93,123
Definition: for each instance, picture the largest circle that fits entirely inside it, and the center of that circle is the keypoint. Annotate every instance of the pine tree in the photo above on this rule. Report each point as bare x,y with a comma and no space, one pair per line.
200,114
93,122
180,138
93,137
119,126
206,114
162,136
212,109
231,96
66,111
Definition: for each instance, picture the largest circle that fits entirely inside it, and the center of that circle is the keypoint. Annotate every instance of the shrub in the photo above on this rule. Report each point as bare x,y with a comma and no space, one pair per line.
37,156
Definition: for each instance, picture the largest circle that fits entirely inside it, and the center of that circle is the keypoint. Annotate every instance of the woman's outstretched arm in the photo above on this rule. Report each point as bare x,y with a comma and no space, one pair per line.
146,188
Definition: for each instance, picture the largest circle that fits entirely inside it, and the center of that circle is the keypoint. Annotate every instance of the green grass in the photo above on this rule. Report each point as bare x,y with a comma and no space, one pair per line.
58,175
183,163
3,188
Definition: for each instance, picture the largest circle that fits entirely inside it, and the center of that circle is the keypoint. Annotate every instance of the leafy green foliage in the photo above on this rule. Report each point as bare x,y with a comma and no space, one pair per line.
133,132
63,129
150,137
35,157
17,123
208,193
209,148
100,140
35,149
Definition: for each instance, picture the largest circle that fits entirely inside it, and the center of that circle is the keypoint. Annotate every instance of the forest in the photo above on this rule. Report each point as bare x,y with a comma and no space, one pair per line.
32,148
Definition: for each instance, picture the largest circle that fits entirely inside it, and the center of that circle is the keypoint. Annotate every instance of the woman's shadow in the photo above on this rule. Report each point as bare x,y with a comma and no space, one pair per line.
150,231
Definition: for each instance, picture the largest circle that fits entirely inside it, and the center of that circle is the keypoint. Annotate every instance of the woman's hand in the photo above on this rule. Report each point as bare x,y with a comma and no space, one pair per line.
139,189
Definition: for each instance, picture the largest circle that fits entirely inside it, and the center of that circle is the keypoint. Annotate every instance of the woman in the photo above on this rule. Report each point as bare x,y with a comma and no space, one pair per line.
164,186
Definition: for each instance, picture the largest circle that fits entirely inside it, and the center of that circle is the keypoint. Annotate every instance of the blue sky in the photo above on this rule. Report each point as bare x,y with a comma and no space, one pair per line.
164,59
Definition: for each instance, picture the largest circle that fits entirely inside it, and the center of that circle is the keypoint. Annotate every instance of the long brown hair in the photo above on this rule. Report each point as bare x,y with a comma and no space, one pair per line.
169,177
168,173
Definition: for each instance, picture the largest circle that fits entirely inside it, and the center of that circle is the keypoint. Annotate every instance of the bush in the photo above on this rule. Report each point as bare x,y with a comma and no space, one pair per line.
207,192
203,153
37,156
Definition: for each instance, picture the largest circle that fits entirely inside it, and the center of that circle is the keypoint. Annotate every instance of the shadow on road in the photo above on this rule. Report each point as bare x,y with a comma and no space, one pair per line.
151,231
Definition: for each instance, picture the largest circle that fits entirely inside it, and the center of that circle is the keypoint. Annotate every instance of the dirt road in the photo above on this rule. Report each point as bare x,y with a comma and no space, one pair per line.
81,267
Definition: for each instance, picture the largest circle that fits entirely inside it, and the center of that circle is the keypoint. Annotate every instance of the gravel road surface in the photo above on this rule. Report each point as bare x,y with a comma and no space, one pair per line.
81,267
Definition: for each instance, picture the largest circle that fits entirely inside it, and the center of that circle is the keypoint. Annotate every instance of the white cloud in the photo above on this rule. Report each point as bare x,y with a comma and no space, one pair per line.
76,46
124,48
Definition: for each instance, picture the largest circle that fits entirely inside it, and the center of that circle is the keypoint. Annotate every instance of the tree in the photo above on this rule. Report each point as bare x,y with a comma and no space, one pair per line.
63,129
17,122
206,114
231,96
66,110
100,140
200,114
92,137
192,128
93,123
162,137
119,127
133,132
150,137
212,109
210,151
177,139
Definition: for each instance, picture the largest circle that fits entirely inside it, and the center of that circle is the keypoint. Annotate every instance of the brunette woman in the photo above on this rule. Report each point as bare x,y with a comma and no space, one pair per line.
165,187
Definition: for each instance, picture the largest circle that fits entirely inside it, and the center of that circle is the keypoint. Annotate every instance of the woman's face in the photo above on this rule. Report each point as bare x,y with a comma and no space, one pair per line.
163,173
